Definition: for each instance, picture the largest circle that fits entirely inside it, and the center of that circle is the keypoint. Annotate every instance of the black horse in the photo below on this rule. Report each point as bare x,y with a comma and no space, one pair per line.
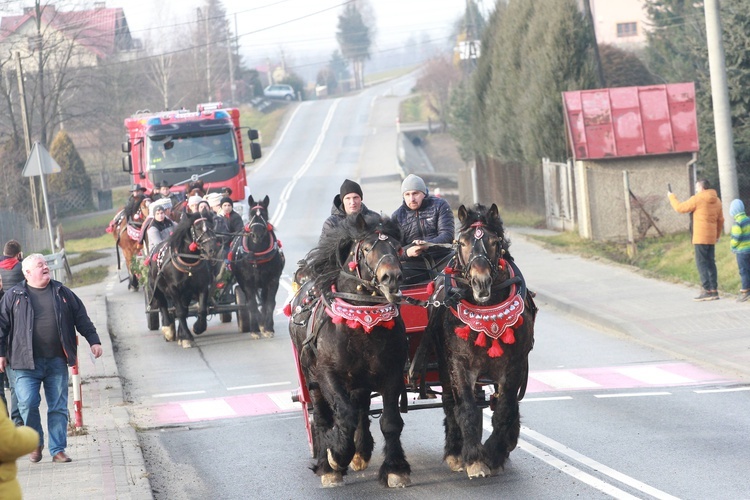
180,272
351,342
482,329
257,263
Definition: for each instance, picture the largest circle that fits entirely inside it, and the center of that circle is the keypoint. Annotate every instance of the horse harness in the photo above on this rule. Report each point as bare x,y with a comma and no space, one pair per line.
336,306
243,251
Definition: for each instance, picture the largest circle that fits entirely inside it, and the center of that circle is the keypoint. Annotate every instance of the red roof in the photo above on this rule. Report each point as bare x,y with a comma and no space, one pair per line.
631,121
95,29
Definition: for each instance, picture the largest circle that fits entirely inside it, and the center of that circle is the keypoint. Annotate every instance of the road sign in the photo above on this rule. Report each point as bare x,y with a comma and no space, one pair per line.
40,162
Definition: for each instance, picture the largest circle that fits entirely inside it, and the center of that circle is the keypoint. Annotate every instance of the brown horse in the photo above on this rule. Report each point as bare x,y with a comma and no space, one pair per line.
126,231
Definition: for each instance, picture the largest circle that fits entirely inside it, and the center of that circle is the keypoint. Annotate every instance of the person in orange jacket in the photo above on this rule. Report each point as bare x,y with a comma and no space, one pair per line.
14,442
708,223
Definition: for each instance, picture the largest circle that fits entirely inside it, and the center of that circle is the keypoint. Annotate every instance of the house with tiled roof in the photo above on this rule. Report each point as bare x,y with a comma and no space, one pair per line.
92,36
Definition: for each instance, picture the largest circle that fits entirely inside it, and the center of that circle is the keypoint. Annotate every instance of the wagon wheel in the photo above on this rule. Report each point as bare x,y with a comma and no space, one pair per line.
243,315
152,318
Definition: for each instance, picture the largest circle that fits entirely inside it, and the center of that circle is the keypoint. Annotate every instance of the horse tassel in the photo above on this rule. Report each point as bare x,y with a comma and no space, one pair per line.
495,351
288,310
481,340
462,332
193,247
430,287
508,336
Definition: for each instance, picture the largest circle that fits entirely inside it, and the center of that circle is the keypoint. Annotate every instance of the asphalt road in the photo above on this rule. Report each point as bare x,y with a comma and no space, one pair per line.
216,421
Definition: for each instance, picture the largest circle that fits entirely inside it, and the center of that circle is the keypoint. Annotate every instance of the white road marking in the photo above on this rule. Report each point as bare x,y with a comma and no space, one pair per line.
653,375
172,394
551,398
588,462
632,394
210,408
283,400
575,473
287,191
714,391
256,386
563,380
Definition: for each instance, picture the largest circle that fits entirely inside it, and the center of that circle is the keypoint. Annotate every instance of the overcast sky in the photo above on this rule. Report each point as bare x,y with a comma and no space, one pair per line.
266,27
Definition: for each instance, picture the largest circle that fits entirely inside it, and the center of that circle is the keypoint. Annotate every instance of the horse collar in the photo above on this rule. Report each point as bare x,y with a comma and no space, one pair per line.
366,317
495,321
266,255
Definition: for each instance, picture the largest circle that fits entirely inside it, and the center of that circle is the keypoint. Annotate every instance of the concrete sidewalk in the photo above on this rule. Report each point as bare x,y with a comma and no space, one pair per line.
107,459
663,315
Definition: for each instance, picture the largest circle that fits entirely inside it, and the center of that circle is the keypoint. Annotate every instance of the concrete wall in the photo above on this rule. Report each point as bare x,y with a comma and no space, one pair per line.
601,199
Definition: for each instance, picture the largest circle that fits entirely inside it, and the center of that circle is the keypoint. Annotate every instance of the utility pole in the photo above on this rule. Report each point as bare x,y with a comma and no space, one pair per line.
27,136
230,46
597,59
204,16
722,112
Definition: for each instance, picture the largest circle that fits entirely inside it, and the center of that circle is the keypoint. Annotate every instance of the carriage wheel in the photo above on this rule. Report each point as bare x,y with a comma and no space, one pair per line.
225,317
152,318
243,315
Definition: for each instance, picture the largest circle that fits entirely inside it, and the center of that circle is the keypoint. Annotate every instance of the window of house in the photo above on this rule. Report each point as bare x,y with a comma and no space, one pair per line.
627,29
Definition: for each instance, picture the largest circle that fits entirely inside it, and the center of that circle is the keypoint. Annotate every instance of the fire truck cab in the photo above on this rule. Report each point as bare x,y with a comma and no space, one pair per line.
182,146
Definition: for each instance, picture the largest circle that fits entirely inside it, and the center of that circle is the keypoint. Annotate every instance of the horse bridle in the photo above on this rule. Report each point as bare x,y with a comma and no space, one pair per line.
360,256
257,212
478,253
198,240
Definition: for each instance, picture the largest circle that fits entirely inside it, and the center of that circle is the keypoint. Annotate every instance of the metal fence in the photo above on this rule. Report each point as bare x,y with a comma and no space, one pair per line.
15,226
514,186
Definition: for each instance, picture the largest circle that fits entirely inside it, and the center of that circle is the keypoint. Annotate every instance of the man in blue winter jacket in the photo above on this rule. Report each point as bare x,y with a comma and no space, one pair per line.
425,221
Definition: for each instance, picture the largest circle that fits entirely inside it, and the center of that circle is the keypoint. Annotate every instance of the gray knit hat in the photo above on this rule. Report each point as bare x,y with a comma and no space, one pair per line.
413,183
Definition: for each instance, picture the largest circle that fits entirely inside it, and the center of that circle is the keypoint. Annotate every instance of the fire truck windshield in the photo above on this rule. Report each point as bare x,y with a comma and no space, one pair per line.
191,150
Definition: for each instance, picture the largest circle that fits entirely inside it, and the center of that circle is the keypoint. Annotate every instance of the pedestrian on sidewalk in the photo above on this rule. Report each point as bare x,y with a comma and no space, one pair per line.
14,442
10,275
38,323
10,264
708,222
740,245
15,415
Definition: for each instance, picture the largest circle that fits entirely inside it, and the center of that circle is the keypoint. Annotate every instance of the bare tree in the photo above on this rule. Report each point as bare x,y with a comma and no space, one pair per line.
438,79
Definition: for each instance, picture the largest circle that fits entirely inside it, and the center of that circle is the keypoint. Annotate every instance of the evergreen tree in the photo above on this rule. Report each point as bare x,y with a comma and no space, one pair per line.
72,183
623,68
354,40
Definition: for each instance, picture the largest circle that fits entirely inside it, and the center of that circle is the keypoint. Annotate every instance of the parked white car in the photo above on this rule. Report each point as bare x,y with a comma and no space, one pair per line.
279,91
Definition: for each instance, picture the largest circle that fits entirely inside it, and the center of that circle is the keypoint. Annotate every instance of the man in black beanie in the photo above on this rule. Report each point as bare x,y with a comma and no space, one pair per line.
348,201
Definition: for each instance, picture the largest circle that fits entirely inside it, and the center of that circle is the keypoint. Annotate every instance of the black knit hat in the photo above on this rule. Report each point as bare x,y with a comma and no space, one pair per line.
226,199
350,187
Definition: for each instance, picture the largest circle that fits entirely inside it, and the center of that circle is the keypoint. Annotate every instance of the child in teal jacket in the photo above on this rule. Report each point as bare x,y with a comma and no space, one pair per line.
740,244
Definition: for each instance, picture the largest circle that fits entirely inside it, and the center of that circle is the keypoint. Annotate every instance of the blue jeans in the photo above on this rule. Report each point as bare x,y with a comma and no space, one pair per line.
743,263
52,373
705,260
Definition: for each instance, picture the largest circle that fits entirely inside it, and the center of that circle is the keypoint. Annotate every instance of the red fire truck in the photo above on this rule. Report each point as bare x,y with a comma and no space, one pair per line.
183,146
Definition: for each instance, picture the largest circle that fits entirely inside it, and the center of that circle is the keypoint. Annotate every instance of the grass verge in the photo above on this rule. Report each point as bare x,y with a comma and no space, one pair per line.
669,258
88,276
267,124
86,257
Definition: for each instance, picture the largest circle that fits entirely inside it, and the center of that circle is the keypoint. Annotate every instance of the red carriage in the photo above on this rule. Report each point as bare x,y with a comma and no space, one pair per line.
477,308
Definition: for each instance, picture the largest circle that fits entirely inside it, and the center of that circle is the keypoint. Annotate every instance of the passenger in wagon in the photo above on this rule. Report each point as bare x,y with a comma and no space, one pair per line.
427,228
347,202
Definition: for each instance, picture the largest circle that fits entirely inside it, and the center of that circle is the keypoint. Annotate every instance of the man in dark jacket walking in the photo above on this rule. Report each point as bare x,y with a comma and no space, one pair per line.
38,323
